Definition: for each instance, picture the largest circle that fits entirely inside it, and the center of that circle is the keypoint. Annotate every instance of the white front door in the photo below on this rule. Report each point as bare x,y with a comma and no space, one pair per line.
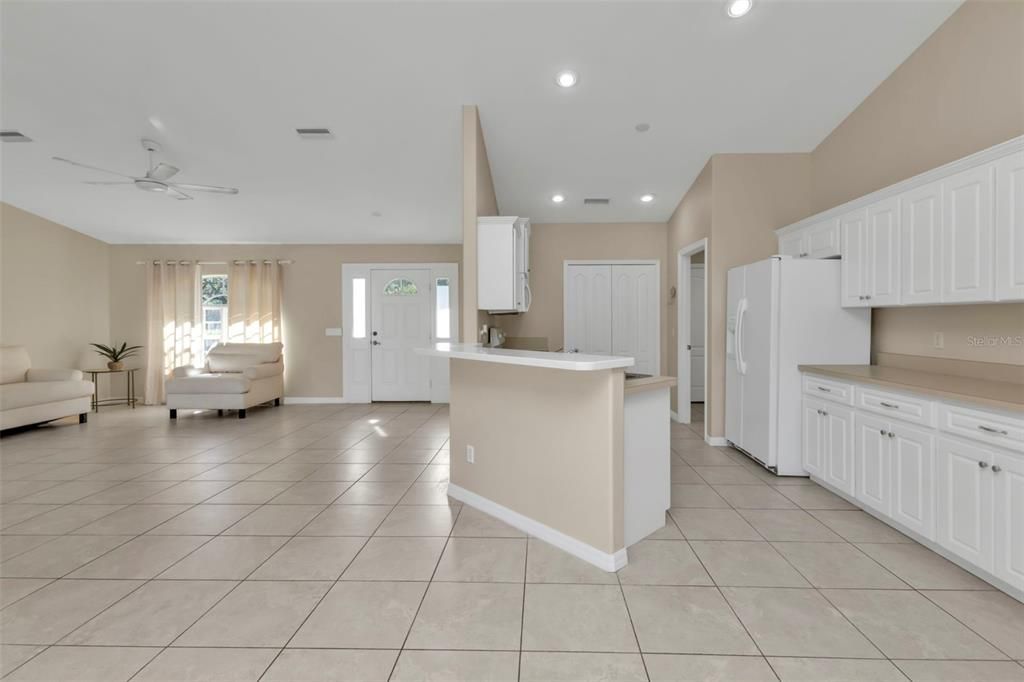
399,323
697,333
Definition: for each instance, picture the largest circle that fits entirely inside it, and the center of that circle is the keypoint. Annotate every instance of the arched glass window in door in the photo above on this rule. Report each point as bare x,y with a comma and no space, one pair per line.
401,287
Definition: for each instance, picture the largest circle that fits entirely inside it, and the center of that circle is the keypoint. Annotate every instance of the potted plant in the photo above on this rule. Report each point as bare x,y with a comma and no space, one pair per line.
115,355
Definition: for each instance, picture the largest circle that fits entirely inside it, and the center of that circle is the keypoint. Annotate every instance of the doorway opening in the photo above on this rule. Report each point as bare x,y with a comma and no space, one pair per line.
691,341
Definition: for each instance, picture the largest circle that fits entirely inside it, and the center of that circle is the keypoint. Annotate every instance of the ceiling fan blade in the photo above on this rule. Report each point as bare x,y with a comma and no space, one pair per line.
177,194
204,188
109,182
95,168
162,171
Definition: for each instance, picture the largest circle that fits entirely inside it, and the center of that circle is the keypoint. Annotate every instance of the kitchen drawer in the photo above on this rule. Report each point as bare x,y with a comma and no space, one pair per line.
985,427
828,389
896,406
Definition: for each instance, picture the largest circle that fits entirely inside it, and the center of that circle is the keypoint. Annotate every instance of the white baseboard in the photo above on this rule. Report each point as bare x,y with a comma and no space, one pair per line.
327,400
580,550
717,441
675,417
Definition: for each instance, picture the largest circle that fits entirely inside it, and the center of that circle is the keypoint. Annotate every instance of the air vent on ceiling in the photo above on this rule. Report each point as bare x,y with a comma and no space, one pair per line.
596,201
13,136
314,133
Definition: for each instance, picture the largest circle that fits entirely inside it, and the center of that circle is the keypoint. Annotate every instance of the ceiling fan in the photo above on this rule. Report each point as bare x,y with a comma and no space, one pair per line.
156,178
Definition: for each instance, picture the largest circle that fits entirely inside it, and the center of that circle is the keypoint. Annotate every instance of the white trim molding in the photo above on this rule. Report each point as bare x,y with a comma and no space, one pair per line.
683,302
716,441
580,550
314,400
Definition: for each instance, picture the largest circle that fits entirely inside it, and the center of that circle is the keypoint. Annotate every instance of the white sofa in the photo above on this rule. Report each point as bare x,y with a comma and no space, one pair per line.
33,396
236,377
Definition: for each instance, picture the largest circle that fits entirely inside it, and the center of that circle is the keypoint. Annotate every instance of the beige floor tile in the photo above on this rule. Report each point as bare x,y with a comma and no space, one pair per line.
703,455
182,471
60,556
959,671
747,564
686,668
362,615
189,492
788,524
394,472
348,519
835,670
286,471
133,520
838,565
316,665
476,524
374,492
278,519
685,620
340,471
663,562
225,558
153,615
428,492
551,666
63,519
314,558
814,497
84,664
232,471
997,617
128,493
312,492
547,564
577,618
65,493
667,532
713,524
433,520
482,616
13,655
483,560
456,666
250,492
204,519
48,614
409,456
753,497
207,665
857,526
697,497
903,624
922,568
13,589
256,614
15,545
794,622
13,514
144,557
396,559
723,475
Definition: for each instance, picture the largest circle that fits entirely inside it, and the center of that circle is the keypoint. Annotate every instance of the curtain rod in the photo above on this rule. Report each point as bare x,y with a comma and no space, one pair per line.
212,262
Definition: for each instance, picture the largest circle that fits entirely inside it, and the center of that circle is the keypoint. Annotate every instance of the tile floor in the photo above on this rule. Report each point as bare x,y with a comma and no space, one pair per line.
317,543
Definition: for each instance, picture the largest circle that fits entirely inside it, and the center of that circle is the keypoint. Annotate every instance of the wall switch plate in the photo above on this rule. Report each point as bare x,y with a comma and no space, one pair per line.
332,331
470,454
938,340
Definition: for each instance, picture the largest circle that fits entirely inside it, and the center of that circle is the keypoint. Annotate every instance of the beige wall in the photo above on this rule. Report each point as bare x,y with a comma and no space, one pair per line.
961,91
551,244
311,289
478,199
54,290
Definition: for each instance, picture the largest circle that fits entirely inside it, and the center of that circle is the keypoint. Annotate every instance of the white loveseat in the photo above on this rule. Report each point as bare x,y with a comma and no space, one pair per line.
236,377
33,396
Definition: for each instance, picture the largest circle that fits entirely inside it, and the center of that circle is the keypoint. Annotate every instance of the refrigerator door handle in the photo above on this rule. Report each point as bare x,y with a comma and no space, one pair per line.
741,309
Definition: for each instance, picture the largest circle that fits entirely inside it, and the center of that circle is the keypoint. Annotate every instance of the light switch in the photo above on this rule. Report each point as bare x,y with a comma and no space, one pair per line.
332,331
938,340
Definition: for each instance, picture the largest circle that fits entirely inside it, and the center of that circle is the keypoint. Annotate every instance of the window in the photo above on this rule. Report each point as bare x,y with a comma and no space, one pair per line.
358,308
442,308
401,287
214,296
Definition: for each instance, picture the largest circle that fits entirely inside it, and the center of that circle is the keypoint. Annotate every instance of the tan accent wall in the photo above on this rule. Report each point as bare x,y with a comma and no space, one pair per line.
311,288
551,244
54,290
478,199
961,91
565,470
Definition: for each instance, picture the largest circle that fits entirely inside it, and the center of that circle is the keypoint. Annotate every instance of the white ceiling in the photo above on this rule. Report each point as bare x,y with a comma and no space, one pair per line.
230,81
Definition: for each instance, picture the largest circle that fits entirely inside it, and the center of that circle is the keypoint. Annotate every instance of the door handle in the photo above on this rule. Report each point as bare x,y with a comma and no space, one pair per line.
983,465
996,468
375,342
741,311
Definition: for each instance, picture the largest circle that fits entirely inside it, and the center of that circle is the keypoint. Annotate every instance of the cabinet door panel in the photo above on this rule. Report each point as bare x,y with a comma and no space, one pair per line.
1009,519
913,479
634,299
873,469
823,239
793,244
588,315
1010,228
964,502
838,448
812,435
921,244
883,242
853,234
967,235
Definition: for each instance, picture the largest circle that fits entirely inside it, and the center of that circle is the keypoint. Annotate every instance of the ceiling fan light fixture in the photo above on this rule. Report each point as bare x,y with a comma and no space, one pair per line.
150,185
738,8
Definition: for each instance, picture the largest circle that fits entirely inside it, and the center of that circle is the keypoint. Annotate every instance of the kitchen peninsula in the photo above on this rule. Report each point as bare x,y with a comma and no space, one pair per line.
560,445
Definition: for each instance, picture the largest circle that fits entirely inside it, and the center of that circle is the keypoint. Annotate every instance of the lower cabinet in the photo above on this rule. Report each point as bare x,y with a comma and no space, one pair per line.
872,463
965,487
828,442
812,440
1008,476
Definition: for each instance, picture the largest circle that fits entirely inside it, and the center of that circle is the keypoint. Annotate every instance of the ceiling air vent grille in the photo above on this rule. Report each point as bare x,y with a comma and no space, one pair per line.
596,201
13,136
315,133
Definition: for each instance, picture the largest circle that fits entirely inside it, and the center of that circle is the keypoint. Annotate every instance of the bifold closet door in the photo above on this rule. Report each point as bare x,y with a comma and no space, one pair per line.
635,315
588,310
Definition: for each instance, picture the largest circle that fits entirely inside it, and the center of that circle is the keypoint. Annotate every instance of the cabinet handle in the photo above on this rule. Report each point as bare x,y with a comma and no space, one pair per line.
803,255
989,429
868,297
826,390
889,405
881,431
983,465
892,435
824,413
996,468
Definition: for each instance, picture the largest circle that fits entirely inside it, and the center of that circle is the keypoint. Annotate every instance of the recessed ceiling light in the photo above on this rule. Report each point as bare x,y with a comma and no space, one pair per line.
647,198
566,79
642,127
737,8
558,198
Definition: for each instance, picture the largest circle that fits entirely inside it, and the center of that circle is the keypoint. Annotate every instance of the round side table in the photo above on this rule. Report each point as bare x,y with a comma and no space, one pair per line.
128,399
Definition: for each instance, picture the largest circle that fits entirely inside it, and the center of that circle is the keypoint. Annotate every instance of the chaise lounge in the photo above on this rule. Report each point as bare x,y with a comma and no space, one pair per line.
237,376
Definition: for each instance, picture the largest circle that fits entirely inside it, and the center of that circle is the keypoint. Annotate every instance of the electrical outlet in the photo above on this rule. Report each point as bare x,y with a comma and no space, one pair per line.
938,340
470,454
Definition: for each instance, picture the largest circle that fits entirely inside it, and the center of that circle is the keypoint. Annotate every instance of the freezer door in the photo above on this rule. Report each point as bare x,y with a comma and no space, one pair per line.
733,376
756,344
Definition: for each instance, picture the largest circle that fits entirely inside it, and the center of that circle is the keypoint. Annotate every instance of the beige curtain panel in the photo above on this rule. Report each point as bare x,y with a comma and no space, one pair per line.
174,336
254,302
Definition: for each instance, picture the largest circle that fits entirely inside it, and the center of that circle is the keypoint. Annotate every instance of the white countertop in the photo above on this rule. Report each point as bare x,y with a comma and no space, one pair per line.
530,358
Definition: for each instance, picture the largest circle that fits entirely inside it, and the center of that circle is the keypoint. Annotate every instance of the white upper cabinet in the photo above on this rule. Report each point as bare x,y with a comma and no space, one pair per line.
883,251
854,243
820,240
1010,228
921,245
792,244
967,235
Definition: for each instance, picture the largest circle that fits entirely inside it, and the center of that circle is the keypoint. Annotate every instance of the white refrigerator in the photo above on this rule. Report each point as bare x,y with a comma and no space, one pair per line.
783,312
